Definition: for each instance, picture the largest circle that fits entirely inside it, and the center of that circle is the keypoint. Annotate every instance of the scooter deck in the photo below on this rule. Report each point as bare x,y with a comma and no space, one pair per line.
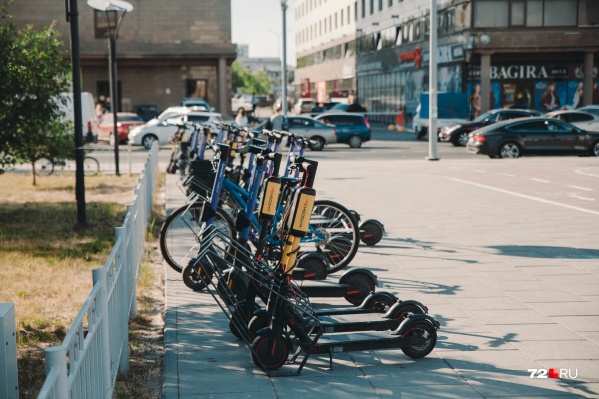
358,341
323,288
356,322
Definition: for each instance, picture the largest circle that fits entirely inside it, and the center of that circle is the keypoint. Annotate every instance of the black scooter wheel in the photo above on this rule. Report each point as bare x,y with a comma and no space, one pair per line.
269,353
257,323
371,233
421,337
382,304
314,268
196,275
362,286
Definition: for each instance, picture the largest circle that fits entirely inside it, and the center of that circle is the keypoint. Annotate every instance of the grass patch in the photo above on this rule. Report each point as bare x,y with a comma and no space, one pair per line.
46,262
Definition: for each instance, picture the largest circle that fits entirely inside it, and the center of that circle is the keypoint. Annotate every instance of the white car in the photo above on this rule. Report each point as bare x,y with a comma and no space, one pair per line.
583,120
157,130
591,109
241,101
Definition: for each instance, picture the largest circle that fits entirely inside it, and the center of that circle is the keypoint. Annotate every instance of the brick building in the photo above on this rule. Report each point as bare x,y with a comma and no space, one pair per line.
166,50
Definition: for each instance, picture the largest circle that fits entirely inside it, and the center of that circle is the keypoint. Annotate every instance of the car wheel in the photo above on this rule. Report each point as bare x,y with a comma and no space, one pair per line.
316,143
148,140
510,150
595,149
111,140
463,139
355,142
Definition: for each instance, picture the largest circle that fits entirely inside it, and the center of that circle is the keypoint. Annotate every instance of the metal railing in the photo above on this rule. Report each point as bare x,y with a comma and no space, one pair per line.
96,346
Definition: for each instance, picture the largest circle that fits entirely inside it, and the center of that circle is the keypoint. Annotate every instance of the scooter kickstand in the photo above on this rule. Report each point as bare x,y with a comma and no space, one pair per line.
331,358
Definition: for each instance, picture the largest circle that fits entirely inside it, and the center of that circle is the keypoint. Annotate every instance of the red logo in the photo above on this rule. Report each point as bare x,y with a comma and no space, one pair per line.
415,56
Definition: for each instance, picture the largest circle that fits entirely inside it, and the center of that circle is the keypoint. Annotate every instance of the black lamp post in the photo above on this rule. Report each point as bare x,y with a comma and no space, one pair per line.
108,16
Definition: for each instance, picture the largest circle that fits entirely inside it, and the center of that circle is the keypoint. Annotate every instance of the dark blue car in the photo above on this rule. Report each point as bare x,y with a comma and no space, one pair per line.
352,129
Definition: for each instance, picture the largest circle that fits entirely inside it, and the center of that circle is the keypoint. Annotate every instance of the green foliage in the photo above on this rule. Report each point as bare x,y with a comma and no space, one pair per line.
34,72
245,82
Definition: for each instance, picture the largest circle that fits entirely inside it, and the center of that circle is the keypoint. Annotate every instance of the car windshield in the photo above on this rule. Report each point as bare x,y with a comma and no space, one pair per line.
484,116
340,107
129,118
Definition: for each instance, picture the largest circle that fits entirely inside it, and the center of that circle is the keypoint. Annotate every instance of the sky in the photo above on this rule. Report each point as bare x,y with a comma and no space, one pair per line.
258,23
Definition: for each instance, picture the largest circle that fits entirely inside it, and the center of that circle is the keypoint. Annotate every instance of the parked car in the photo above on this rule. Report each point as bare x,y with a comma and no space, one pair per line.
303,105
352,129
125,122
146,111
198,103
591,109
319,108
156,130
317,132
510,139
581,119
339,108
241,101
458,134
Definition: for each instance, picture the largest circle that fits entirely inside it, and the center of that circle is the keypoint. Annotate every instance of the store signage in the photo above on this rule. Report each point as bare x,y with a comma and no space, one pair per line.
306,88
513,72
415,56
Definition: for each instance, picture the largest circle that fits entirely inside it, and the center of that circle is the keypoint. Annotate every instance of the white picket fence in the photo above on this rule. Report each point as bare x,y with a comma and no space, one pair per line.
95,348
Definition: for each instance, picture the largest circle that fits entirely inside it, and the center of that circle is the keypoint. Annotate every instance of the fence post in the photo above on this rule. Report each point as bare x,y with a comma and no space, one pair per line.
99,277
56,357
9,382
122,236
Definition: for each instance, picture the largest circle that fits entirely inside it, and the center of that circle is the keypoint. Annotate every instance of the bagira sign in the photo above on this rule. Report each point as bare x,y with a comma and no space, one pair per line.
513,72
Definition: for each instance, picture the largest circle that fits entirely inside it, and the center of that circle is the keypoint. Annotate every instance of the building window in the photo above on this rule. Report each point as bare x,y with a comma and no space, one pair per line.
363,9
380,5
491,13
371,7
390,3
335,20
517,13
341,17
559,13
348,15
534,13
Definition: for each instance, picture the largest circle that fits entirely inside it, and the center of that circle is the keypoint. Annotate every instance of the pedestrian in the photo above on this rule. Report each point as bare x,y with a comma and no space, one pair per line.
277,120
577,100
254,103
241,119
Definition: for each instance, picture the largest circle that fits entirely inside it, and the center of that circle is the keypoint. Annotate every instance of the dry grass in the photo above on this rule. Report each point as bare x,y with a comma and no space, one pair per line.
47,262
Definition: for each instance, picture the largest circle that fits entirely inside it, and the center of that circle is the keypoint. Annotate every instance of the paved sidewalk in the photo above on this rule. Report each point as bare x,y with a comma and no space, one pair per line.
513,281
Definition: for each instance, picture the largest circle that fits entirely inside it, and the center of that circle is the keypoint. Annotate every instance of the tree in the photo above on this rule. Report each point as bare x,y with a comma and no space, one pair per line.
245,82
34,73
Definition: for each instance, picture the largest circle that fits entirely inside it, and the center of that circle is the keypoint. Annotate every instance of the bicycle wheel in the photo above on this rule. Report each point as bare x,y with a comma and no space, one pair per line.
91,166
335,232
181,231
43,167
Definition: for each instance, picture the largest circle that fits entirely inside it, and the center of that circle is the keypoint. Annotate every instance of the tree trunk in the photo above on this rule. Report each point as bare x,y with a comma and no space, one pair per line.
33,171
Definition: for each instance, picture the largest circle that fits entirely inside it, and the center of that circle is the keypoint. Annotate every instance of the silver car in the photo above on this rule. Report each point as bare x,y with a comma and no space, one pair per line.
317,132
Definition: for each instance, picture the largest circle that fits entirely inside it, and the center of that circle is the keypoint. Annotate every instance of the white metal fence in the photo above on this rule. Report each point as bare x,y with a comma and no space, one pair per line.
95,348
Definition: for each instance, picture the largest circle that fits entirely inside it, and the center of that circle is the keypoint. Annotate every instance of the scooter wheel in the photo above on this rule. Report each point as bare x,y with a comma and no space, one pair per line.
257,323
382,304
371,233
196,275
315,268
269,353
421,339
362,286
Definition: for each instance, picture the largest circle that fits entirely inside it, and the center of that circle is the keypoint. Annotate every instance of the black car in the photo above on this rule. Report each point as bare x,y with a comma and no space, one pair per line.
146,111
352,129
458,134
511,139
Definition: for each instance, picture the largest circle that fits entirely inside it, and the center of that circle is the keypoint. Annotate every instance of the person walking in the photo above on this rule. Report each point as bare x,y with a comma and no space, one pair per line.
241,119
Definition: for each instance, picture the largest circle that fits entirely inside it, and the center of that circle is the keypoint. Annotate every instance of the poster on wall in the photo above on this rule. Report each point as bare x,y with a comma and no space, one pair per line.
550,95
474,94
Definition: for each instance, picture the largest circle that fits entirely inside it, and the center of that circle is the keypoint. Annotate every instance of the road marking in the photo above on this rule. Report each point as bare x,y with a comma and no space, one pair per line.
584,173
579,197
576,208
507,174
540,180
581,188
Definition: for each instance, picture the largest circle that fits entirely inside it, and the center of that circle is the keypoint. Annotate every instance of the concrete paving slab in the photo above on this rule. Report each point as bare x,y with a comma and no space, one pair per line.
494,303
512,316
566,308
306,386
584,371
546,296
559,350
579,324
534,332
436,391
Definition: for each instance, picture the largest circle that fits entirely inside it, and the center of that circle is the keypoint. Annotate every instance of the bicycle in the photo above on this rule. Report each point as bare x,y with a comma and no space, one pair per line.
45,166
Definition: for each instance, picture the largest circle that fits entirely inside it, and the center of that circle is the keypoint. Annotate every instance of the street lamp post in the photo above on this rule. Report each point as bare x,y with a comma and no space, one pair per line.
432,85
284,78
110,29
